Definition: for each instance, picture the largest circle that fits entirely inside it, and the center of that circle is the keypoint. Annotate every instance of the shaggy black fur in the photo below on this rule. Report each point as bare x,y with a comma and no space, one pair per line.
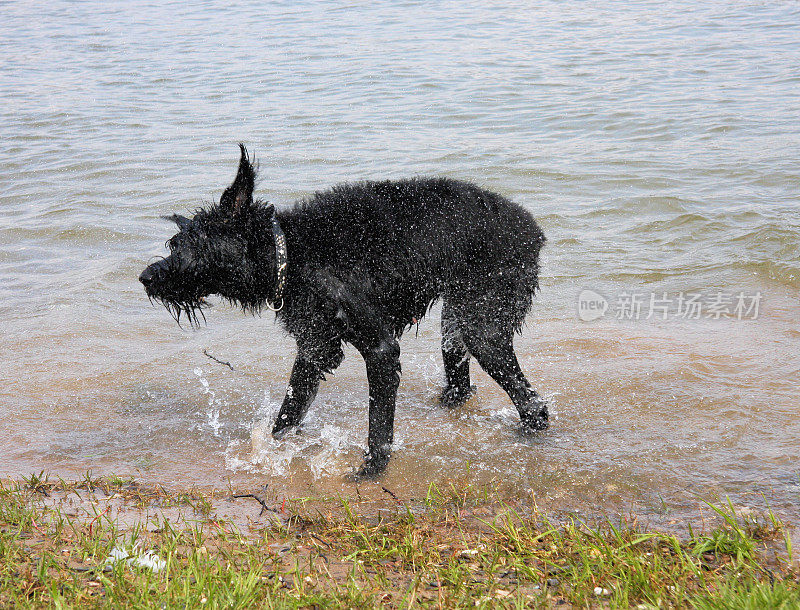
367,261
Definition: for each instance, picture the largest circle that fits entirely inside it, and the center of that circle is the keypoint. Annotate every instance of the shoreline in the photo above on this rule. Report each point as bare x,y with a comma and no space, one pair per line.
113,541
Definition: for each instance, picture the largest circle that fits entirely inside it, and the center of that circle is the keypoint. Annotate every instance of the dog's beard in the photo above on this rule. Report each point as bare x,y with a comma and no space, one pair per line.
186,309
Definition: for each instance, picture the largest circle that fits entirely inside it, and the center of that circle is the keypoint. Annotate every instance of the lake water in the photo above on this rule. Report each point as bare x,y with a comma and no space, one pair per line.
657,143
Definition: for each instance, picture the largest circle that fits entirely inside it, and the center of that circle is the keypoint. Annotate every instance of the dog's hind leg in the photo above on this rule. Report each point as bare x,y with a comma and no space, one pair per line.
308,370
456,362
494,351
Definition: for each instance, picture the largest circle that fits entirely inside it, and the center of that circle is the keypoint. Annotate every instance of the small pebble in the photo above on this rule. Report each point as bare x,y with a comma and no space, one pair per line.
600,591
553,582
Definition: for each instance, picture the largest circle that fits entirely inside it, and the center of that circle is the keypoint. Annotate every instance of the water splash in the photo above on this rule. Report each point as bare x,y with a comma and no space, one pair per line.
426,366
214,404
319,446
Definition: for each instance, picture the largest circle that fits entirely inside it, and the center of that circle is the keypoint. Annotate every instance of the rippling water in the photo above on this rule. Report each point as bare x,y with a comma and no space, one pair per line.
657,143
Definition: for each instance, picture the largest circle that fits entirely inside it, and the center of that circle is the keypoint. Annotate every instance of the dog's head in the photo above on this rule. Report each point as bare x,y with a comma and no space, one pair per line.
221,250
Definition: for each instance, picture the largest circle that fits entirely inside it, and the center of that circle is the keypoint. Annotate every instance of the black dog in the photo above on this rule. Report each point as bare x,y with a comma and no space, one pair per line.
361,263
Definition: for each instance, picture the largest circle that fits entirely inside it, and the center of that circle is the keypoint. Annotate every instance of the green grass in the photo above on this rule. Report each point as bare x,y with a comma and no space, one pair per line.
440,555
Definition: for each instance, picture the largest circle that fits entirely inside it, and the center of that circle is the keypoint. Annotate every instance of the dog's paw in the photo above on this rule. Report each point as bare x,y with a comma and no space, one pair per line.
534,424
371,469
280,432
453,397
534,416
361,474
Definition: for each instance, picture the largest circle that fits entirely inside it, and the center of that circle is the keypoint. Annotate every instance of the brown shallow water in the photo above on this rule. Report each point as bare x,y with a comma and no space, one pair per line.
645,416
658,148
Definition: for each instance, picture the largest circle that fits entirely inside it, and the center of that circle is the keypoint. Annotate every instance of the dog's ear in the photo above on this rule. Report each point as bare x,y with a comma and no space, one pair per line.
179,220
238,197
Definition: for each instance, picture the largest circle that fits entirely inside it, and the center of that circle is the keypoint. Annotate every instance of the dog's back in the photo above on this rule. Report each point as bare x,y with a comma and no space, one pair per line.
419,239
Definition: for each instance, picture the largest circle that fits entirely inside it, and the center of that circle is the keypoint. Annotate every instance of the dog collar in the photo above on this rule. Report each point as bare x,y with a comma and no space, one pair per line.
281,262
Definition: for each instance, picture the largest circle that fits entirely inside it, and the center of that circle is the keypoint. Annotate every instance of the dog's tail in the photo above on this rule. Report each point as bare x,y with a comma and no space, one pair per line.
524,259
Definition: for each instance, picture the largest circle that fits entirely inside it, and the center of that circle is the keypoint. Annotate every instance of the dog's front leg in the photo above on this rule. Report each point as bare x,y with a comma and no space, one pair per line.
303,385
383,376
307,372
352,305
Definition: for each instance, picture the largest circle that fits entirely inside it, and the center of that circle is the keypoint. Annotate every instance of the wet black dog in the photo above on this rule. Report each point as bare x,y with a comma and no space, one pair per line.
361,263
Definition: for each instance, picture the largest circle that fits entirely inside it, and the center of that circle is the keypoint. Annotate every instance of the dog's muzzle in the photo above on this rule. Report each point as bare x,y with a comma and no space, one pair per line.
152,274
147,277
